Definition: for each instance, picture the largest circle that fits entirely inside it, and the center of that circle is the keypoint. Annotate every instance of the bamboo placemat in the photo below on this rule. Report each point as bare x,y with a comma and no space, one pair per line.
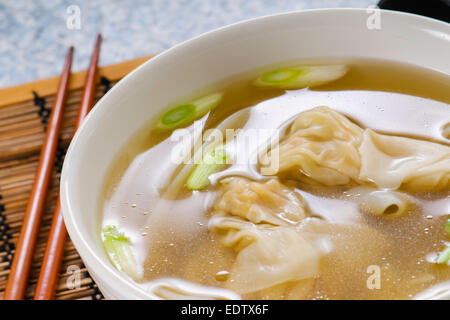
24,111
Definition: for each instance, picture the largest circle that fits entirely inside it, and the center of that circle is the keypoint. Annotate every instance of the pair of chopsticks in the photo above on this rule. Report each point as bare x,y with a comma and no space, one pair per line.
54,251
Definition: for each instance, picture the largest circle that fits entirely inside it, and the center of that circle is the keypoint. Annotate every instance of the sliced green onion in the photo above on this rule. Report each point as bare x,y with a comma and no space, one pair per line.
301,77
118,247
177,116
447,226
281,76
212,162
186,113
444,256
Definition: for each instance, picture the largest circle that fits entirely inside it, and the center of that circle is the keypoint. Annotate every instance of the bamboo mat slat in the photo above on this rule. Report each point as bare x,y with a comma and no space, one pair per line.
24,111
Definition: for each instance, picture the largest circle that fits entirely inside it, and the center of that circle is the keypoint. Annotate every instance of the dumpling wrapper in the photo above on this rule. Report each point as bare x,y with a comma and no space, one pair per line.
266,255
324,147
398,162
258,221
260,202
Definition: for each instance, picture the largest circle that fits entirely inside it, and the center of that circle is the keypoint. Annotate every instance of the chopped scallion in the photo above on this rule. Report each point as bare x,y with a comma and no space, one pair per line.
447,226
444,256
212,162
186,113
281,76
301,77
118,247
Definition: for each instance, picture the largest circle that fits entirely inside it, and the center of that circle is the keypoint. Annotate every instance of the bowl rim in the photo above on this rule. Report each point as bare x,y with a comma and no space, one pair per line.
96,266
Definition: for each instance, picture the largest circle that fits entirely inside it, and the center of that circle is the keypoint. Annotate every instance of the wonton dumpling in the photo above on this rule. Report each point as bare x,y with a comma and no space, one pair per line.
325,147
322,146
260,202
267,255
258,221
394,162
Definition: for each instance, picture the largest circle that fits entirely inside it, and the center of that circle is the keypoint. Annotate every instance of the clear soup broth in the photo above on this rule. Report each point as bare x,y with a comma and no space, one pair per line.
355,209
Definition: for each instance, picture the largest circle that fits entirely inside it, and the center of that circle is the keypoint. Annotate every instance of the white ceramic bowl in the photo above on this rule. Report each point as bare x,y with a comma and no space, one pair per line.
204,60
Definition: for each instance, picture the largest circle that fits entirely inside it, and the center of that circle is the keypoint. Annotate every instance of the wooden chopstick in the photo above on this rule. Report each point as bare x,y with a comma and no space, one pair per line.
23,257
54,250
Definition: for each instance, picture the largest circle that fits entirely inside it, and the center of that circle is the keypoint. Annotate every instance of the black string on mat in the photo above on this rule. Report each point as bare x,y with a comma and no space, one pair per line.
96,294
5,236
59,158
43,111
106,83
